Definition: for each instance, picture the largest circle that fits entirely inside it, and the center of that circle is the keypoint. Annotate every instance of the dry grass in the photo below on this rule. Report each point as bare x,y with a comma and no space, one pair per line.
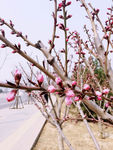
77,135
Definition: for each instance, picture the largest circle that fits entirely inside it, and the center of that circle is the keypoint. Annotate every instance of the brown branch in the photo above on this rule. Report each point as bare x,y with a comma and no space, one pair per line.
54,28
21,87
8,43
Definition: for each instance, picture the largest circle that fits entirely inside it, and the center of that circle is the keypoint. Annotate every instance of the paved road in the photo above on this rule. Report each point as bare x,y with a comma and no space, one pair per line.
19,127
11,119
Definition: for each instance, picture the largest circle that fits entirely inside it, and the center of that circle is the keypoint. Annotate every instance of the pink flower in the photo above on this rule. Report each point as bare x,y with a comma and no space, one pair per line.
76,98
40,78
70,93
74,83
105,91
99,98
11,95
17,76
99,94
51,89
58,80
68,100
86,87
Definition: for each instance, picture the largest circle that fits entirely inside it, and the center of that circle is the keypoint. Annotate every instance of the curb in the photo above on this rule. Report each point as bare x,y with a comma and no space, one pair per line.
25,135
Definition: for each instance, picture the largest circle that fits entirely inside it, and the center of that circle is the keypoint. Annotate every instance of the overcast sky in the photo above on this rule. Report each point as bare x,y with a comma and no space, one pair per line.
34,18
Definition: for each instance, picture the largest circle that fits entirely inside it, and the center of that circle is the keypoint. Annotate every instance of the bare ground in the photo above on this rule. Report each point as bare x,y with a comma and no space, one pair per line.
77,135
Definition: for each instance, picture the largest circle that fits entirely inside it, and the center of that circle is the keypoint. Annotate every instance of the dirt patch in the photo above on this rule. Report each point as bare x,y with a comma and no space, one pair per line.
77,135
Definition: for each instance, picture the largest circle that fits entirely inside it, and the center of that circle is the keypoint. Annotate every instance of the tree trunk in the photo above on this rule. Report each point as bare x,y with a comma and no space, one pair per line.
60,141
99,111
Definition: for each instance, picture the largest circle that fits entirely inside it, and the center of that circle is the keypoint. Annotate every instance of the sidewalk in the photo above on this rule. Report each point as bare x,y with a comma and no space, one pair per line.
19,128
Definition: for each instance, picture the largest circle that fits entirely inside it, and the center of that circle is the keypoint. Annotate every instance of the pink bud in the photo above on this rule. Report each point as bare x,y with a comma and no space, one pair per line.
86,87
11,24
70,93
58,80
77,52
14,51
107,105
83,53
99,98
3,32
109,8
111,97
68,3
76,98
61,26
66,29
106,36
3,46
17,77
88,98
60,5
51,89
56,36
11,95
105,91
12,32
40,78
61,17
67,40
99,94
69,16
74,83
68,101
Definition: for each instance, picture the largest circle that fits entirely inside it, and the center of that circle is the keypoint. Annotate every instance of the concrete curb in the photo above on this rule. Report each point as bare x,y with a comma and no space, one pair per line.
25,135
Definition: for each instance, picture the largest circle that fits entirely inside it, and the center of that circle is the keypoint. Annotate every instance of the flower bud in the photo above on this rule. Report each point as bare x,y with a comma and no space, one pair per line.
61,26
3,46
106,36
51,89
66,29
58,80
74,83
99,98
69,16
11,95
11,24
76,98
60,5
86,87
68,3
40,78
68,101
107,105
61,17
3,33
105,91
17,77
70,93
99,94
